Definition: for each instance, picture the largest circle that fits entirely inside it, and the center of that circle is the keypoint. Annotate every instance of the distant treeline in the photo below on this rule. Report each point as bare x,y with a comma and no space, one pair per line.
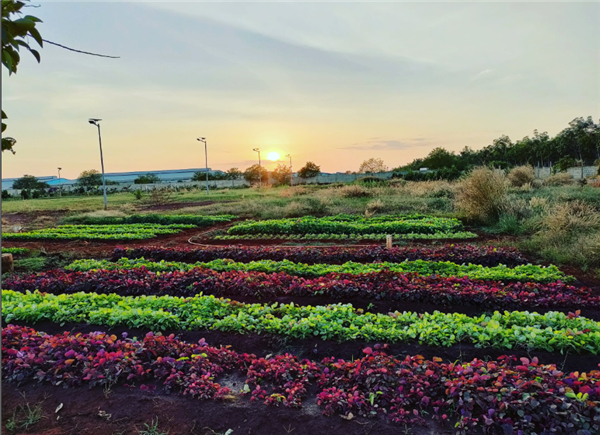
578,144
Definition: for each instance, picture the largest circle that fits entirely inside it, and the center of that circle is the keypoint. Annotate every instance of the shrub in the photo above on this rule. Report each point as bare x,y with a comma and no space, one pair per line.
138,194
482,194
371,180
160,196
521,175
560,179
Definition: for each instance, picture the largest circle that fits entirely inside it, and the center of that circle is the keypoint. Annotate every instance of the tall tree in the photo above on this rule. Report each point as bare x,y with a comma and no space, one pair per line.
16,30
256,173
282,174
29,182
90,178
309,170
371,166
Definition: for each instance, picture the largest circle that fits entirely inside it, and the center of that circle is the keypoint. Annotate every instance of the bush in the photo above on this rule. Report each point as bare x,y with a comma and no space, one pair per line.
138,194
481,195
521,176
371,180
560,179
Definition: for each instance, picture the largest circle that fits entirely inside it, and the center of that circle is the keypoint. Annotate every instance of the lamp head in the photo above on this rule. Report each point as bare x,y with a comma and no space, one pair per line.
256,149
201,139
94,121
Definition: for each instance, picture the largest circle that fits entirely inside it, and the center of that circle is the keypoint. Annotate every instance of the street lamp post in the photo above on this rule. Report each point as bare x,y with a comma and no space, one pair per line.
59,188
259,167
96,122
291,172
203,139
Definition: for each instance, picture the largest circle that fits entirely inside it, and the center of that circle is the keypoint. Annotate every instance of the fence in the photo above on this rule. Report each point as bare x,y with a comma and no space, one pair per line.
588,171
221,184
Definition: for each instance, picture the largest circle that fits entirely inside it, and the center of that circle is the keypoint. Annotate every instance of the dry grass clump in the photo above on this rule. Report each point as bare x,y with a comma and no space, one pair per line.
570,218
521,176
294,191
374,206
103,213
425,189
295,209
481,196
355,191
568,233
560,179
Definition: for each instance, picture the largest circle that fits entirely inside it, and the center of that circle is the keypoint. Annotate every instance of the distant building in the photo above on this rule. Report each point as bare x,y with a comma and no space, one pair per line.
169,175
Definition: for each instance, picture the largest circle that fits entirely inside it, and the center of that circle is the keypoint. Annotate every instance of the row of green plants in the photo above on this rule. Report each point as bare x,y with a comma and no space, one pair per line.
552,331
99,232
199,221
506,395
329,236
15,251
524,273
350,225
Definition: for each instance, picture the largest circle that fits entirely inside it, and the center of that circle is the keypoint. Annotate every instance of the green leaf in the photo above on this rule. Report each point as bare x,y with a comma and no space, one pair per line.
36,54
24,23
36,35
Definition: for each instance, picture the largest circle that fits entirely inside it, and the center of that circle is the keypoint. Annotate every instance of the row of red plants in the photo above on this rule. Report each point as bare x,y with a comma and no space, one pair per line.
378,285
484,255
501,396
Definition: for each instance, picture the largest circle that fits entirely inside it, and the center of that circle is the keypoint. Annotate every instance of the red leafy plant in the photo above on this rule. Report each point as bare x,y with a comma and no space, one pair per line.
378,285
484,255
503,396
498,396
100,359
288,378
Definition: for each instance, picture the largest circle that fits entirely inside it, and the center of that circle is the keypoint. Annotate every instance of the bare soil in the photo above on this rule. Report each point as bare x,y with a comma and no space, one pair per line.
128,410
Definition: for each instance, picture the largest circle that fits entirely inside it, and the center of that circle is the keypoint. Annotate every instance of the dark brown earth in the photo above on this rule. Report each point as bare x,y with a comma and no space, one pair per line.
125,410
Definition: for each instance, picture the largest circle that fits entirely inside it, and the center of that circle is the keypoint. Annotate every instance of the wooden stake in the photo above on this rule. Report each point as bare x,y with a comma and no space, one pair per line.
388,241
7,263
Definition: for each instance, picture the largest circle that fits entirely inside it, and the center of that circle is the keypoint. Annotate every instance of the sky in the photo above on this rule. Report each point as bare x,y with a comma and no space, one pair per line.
334,83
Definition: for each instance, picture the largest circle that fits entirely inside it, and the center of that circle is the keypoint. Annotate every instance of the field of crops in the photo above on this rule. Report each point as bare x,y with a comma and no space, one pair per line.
349,227
136,227
461,338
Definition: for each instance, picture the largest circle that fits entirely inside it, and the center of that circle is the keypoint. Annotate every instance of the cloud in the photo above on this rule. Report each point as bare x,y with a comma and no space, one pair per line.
387,145
481,74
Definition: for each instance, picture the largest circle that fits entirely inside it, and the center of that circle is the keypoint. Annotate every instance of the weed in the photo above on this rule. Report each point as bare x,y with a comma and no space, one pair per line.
152,429
25,416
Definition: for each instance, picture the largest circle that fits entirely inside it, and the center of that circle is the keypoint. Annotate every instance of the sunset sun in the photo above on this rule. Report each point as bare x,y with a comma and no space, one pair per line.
273,156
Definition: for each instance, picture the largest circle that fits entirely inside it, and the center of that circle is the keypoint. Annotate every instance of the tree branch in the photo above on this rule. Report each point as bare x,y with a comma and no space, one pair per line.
79,51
